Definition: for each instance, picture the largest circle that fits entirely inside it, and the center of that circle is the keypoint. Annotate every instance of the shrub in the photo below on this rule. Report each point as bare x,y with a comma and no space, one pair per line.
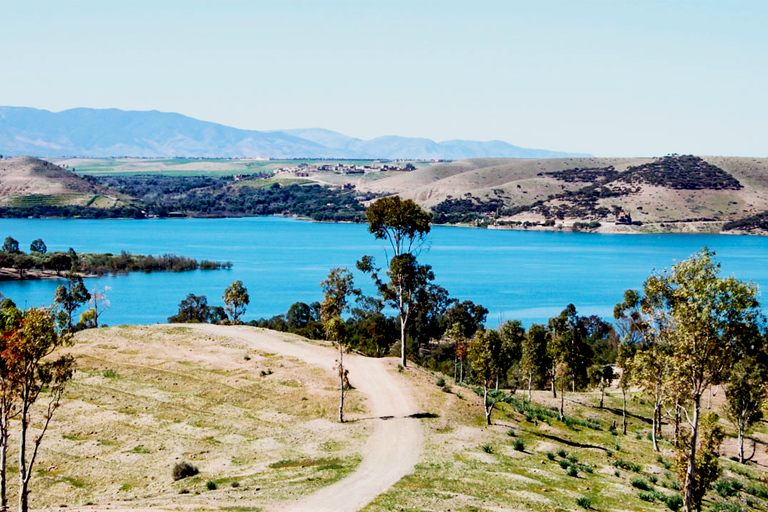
440,382
211,485
727,487
519,445
674,502
184,491
562,453
235,484
183,470
647,496
550,456
587,469
653,479
609,453
638,435
617,473
726,507
572,471
573,458
565,463
511,433
109,374
487,448
641,484
584,502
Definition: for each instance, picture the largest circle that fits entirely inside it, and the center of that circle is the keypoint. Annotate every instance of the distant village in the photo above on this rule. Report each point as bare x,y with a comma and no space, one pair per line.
304,169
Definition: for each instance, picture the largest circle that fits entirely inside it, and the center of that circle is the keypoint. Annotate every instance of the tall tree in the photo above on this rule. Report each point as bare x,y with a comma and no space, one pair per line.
484,354
568,351
653,372
405,225
70,298
512,336
10,320
535,359
406,278
338,288
11,245
745,395
99,304
713,318
193,309
28,351
235,299
38,246
706,458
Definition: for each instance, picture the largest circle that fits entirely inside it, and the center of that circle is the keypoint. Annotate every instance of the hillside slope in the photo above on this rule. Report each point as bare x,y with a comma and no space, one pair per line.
27,181
674,193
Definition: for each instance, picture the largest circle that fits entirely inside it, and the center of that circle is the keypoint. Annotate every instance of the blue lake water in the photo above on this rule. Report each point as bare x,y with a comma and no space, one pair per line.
529,276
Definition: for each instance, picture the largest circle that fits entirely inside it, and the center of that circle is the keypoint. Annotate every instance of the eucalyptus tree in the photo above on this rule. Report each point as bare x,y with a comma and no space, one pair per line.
405,225
485,354
745,395
713,319
70,297
236,298
534,357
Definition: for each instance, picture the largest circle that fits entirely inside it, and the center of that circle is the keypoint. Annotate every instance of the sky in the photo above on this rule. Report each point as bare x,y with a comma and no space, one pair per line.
608,77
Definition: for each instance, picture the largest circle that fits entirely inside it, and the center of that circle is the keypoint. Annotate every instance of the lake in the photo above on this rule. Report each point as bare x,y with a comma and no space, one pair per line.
529,276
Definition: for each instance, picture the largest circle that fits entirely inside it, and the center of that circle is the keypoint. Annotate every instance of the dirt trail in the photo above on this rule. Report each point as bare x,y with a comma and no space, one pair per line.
395,444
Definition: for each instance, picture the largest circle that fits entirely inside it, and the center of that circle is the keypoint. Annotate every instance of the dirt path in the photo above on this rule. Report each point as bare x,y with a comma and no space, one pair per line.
395,443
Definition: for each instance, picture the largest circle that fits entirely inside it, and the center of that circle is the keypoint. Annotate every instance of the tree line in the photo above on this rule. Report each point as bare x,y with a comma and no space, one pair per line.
38,258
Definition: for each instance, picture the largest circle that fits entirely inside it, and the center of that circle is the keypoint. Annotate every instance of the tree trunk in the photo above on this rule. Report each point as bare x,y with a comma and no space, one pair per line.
690,472
602,396
562,403
461,372
653,427
402,341
741,444
485,403
23,480
554,393
530,385
677,425
624,411
3,467
341,384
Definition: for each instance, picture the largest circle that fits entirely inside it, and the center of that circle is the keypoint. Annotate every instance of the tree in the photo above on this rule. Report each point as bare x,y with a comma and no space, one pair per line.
653,372
406,278
745,394
484,354
38,246
336,331
405,225
27,353
70,297
631,327
59,262
22,263
235,299
601,376
193,309
99,303
534,359
11,245
298,315
714,319
706,460
512,336
10,320
337,288
471,316
568,351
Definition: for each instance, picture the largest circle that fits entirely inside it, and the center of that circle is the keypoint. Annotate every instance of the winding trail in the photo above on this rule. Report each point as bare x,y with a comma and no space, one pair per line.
395,444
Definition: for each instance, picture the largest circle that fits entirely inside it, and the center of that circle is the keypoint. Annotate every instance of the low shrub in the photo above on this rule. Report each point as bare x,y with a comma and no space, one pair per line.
641,484
565,464
519,445
572,471
674,502
550,456
487,448
562,453
183,470
584,502
211,485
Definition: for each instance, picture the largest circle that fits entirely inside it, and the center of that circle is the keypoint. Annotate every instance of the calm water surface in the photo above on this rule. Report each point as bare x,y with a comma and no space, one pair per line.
515,274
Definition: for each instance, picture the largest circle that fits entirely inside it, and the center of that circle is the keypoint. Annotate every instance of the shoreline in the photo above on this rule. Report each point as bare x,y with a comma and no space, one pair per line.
11,274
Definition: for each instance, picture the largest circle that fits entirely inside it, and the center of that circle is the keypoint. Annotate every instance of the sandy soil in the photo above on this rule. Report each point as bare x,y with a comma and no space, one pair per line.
395,444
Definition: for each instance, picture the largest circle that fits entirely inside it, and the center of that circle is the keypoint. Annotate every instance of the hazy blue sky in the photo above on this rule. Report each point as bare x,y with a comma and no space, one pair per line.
608,77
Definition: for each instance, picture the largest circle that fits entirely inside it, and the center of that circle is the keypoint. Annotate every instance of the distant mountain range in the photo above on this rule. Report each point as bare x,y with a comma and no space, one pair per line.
104,133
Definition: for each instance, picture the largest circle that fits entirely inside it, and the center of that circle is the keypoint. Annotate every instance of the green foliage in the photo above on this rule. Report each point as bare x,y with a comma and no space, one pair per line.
641,484
565,463
550,456
727,487
236,298
211,485
572,471
519,445
584,502
674,502
193,309
487,448
631,466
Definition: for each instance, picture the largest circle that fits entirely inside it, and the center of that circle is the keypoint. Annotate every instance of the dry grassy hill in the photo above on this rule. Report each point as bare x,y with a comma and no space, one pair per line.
678,193
28,181
261,428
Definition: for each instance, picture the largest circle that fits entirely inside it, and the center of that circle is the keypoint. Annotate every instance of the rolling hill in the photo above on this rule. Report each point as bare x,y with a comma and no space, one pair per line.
674,193
101,133
28,181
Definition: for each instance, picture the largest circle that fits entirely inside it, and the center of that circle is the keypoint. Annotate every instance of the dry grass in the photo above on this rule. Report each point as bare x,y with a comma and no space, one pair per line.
146,398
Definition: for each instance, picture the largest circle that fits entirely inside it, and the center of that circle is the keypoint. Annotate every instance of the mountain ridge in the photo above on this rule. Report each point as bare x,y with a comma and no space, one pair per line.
105,133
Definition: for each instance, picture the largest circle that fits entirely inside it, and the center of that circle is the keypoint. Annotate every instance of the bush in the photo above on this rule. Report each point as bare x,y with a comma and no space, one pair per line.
587,469
674,502
511,433
572,471
641,484
183,470
573,458
726,507
235,484
519,445
487,448
550,456
653,479
647,496
727,487
565,463
584,502
440,382
562,453
211,485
